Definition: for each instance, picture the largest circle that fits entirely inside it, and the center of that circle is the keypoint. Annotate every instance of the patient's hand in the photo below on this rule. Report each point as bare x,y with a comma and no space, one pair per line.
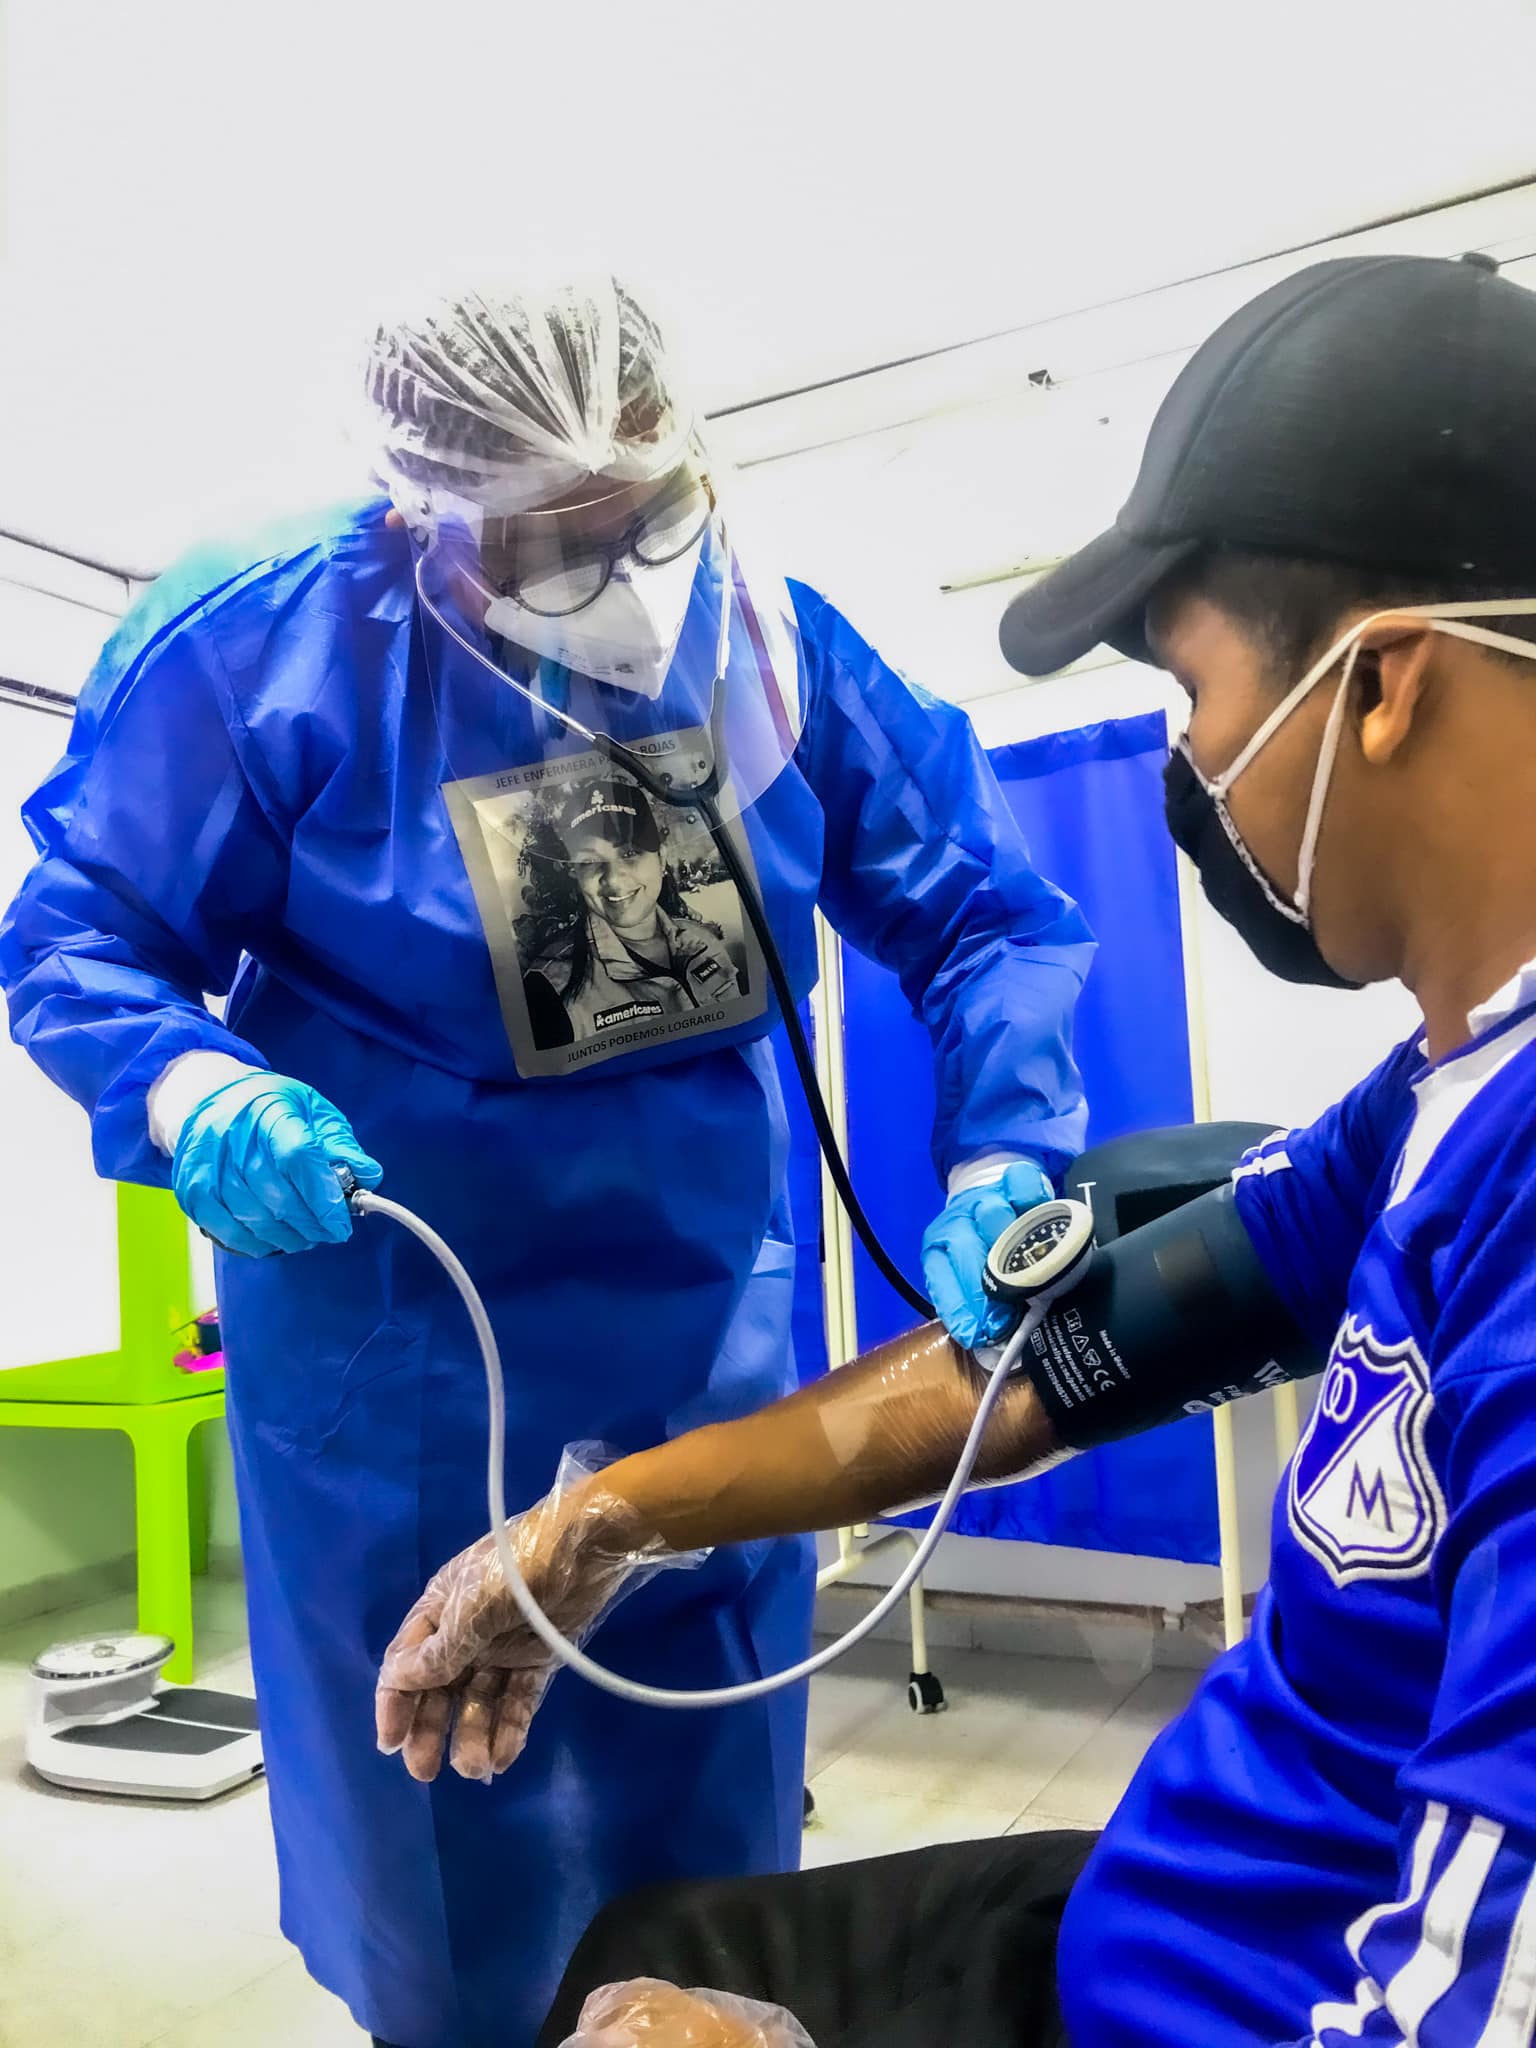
648,2014
465,1673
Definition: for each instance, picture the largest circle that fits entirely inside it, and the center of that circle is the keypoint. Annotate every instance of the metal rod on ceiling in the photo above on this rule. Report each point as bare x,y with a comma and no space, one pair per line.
81,604
36,697
1519,183
1011,572
48,547
1523,181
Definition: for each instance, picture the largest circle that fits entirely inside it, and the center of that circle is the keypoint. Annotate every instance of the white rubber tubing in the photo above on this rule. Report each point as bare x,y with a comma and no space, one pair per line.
568,1654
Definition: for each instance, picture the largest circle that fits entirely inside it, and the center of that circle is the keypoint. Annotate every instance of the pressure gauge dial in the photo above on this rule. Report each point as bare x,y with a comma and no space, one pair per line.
1040,1253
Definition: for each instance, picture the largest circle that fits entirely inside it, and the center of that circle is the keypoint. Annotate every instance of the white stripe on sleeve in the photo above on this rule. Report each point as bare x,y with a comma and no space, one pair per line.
1461,1950
1347,2022
1425,1845
1435,1964
1262,1160
1512,2022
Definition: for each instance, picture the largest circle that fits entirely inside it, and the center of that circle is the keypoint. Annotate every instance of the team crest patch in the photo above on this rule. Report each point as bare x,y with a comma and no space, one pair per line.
1363,1497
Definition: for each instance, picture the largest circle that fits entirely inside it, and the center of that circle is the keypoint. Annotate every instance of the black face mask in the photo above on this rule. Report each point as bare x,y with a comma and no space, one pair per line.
1230,877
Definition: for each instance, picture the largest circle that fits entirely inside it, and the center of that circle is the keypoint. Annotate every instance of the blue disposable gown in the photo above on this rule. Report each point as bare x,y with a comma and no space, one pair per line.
251,803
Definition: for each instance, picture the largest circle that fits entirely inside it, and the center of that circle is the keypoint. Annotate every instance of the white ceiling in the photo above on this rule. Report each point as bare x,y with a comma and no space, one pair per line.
205,203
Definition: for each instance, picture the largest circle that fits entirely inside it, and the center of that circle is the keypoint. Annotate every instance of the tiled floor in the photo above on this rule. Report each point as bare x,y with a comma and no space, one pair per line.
124,1924
1025,1743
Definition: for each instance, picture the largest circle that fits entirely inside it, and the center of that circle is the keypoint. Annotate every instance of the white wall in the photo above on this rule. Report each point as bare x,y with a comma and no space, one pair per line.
208,202
58,1229
66,1498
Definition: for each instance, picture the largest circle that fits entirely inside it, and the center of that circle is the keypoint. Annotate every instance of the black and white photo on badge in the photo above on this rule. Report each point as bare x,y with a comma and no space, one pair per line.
611,917
626,915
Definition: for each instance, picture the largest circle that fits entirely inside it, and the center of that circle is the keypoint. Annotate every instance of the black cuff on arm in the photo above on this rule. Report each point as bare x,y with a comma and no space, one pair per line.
1171,1319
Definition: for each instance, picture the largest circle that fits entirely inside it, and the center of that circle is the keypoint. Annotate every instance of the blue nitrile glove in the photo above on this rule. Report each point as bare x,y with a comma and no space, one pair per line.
955,1247
255,1167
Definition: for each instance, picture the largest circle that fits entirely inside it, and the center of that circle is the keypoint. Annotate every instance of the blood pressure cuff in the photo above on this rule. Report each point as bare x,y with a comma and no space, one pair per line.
1127,1181
1172,1319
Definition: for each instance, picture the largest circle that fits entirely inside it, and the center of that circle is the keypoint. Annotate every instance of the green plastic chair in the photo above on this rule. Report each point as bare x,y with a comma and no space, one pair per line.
139,1390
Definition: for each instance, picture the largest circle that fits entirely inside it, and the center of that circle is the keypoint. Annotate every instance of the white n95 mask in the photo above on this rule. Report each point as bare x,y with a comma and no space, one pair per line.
627,636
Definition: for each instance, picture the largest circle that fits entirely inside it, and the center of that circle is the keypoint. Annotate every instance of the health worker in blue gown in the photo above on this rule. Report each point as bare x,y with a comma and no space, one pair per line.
420,785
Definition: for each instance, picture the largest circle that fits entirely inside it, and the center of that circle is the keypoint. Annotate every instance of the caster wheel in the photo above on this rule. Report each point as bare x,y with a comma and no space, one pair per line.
925,1695
810,1807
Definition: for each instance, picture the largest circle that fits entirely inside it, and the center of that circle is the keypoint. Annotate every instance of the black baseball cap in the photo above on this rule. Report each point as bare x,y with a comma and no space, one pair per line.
1377,411
610,810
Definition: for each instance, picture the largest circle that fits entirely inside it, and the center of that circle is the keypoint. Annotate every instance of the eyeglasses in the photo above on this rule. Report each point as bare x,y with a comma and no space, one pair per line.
559,573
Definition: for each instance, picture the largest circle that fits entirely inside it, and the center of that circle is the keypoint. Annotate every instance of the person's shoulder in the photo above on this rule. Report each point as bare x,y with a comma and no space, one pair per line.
810,607
253,579
1460,1220
1361,1129
829,634
553,964
1460,1212
824,626
1368,1121
1308,1195
1387,1094
1472,1141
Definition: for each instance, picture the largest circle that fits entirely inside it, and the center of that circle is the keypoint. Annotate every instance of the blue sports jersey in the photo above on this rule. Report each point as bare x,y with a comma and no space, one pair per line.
1337,1841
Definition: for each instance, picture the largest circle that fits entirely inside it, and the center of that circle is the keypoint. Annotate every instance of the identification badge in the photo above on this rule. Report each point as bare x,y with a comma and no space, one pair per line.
612,921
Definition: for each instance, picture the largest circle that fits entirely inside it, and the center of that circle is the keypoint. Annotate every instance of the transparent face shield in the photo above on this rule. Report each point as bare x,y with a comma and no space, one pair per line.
628,621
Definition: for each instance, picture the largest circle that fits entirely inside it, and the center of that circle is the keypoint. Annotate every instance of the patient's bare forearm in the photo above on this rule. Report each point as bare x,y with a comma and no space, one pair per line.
863,1441
1172,1319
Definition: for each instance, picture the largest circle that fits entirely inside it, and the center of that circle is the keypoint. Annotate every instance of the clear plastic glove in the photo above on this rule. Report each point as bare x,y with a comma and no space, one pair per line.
955,1247
255,1167
649,2014
465,1674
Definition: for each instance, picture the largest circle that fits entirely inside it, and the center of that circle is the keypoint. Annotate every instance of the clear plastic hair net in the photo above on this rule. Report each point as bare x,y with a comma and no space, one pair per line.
573,535
510,398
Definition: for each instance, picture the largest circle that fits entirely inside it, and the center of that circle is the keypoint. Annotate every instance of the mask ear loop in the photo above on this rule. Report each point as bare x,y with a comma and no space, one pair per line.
1448,620
1321,779
1505,643
1235,839
1220,784
1240,848
1444,618
1473,608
